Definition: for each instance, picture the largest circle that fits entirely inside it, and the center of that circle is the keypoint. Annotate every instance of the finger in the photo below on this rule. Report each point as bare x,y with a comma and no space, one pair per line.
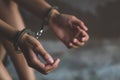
34,62
44,54
83,36
86,37
41,67
82,25
77,42
71,45
50,68
56,62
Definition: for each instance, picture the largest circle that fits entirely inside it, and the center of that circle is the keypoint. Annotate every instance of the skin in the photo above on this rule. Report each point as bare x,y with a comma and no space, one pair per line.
4,75
14,19
2,51
40,7
71,31
48,67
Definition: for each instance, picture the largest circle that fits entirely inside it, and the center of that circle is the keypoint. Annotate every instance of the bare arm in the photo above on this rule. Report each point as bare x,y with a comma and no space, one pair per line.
68,28
39,8
7,31
31,48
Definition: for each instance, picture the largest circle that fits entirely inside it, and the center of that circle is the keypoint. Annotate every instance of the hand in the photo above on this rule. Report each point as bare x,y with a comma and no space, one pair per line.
69,29
31,49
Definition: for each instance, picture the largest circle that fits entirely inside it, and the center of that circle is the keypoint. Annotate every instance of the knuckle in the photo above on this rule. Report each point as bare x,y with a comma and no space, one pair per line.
36,46
73,17
45,72
81,22
46,56
69,46
87,38
82,44
76,47
55,66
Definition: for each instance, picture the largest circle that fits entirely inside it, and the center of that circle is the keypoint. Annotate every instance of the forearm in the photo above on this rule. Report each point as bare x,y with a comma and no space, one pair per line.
39,8
7,31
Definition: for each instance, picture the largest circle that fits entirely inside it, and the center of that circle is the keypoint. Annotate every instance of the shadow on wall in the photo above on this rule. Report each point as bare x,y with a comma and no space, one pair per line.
105,23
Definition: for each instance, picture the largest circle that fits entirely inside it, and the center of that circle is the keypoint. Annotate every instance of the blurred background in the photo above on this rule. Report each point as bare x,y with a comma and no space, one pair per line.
99,59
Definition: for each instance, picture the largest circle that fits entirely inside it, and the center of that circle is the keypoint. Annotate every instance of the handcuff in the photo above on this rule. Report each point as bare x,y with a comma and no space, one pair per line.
38,34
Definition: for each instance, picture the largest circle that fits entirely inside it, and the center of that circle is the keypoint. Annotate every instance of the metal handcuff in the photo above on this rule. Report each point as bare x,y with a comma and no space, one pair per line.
36,35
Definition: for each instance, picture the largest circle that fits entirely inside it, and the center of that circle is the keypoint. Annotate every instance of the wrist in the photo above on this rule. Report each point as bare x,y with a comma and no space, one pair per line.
52,12
53,15
21,37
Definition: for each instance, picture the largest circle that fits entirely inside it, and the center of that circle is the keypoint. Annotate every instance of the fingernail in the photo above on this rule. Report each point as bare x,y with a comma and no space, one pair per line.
70,44
86,29
50,60
58,60
83,39
75,40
